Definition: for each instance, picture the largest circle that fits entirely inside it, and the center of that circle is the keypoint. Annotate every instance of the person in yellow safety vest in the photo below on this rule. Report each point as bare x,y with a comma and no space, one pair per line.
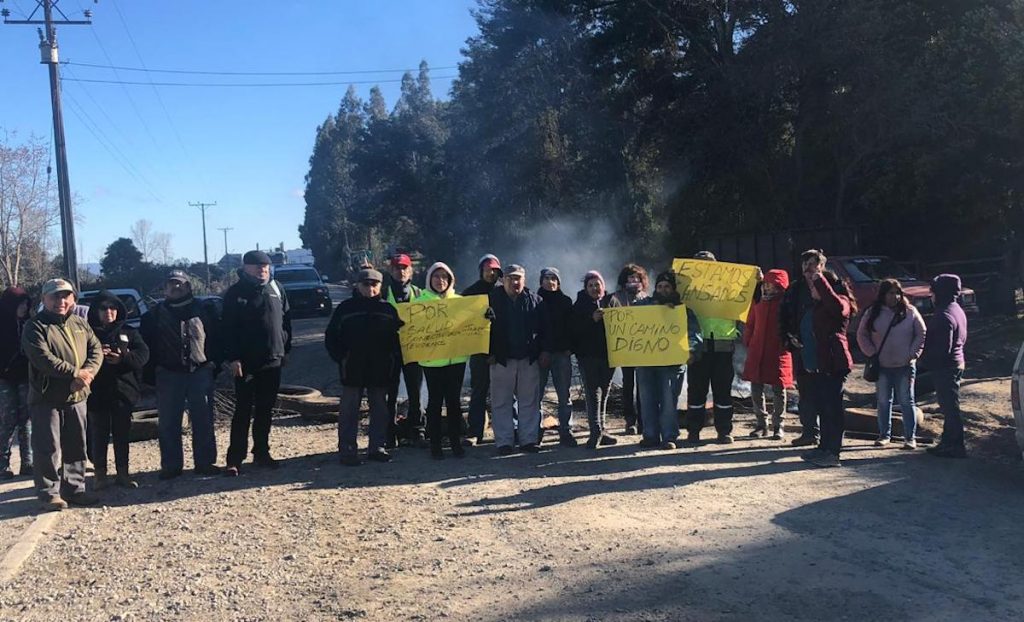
711,365
444,376
398,289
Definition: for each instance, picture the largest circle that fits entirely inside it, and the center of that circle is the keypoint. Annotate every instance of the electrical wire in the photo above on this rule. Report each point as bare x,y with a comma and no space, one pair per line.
245,84
252,73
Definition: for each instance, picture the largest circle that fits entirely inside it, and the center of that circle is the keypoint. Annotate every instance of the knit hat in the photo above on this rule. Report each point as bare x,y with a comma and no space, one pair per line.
369,274
946,288
256,258
552,272
593,274
705,255
666,277
488,261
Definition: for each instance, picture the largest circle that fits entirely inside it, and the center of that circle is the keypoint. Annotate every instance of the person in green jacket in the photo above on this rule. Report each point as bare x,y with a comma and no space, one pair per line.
397,289
64,357
444,376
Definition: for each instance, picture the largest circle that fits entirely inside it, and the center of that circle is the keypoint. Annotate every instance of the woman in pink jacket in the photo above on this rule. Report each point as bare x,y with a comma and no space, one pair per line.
897,356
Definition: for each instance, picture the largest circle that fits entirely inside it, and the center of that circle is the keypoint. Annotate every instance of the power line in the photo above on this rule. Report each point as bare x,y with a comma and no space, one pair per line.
253,73
244,84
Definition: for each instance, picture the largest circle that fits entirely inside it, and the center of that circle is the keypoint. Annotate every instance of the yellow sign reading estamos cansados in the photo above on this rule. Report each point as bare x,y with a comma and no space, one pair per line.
444,328
716,289
646,336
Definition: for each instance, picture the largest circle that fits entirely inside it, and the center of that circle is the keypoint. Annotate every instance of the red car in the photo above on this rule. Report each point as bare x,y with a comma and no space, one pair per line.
863,272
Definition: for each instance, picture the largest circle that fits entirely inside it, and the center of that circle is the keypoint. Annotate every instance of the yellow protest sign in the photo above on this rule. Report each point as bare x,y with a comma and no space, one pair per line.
716,289
646,336
444,328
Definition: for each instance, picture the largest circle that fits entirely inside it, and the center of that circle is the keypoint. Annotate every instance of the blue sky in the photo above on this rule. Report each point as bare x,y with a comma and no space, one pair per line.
146,152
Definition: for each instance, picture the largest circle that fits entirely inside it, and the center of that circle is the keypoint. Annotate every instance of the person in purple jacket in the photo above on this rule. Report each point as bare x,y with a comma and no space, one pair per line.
943,357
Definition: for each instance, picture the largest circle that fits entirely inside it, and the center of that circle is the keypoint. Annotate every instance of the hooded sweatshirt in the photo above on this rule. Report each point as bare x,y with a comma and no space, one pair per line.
482,286
947,328
117,383
428,293
13,363
768,361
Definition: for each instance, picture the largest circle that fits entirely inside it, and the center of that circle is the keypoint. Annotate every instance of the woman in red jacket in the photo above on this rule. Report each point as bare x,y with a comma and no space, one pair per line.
769,365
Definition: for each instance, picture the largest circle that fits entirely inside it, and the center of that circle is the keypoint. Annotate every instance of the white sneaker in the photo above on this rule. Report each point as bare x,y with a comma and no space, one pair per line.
910,445
882,441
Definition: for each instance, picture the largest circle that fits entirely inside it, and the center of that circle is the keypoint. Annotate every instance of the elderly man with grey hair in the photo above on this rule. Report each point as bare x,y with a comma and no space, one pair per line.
517,353
64,357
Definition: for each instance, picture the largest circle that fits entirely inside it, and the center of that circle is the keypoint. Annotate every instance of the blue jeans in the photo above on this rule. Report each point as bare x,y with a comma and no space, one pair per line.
947,392
659,392
898,380
14,421
174,390
560,371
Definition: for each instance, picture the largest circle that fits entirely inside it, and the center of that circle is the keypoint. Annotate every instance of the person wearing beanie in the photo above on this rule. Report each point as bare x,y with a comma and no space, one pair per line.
398,289
558,345
15,421
591,350
769,365
712,367
115,391
444,377
516,356
257,336
479,368
632,288
183,336
660,385
943,359
362,338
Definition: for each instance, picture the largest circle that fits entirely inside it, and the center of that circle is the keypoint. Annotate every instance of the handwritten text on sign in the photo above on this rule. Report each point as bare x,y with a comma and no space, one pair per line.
715,288
646,336
445,328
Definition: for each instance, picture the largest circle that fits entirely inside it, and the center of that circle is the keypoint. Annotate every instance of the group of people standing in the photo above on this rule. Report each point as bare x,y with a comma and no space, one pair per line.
70,376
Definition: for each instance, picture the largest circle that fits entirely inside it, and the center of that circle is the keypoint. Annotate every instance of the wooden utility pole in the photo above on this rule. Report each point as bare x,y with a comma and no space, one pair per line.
50,57
206,258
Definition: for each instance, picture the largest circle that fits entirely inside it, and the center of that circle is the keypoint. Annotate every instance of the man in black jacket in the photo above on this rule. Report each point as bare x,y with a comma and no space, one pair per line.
257,335
182,337
558,346
479,369
362,338
516,355
115,390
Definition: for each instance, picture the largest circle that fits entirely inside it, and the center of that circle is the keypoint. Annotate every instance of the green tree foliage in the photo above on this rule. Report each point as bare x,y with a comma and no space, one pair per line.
121,258
674,120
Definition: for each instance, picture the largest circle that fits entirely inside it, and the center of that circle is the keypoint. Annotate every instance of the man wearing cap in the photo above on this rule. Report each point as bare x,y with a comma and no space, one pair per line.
362,338
516,355
257,335
182,337
64,357
711,366
398,289
558,345
479,368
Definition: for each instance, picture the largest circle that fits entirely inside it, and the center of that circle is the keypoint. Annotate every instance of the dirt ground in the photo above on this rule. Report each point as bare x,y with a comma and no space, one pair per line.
741,532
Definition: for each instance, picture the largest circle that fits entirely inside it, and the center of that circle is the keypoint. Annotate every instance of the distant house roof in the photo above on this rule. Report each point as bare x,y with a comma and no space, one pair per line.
230,261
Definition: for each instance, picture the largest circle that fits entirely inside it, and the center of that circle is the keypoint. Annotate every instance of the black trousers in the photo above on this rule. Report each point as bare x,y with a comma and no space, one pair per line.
631,399
255,396
714,369
412,426
444,388
828,396
110,421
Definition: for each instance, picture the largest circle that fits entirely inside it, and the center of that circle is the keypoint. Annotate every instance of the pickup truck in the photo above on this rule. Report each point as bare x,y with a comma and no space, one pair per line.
306,289
133,301
863,272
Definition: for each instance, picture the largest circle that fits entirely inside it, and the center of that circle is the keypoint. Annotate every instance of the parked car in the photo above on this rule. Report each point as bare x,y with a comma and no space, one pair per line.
863,272
1017,397
134,302
306,288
